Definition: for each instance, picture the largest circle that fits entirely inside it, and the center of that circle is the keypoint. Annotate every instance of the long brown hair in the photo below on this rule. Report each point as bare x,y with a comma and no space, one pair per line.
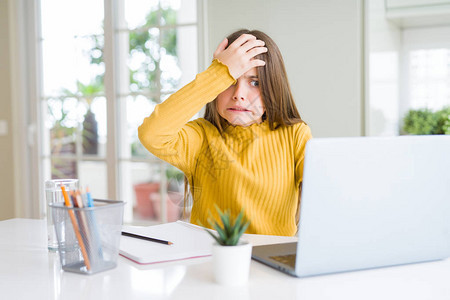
273,83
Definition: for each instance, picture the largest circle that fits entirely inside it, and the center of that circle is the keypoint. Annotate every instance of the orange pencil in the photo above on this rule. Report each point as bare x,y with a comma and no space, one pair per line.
82,221
75,228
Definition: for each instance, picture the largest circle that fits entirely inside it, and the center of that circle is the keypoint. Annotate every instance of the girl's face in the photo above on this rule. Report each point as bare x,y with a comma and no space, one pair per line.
241,104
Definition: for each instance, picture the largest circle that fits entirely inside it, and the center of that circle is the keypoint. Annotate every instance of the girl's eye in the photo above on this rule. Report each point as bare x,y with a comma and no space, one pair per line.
254,83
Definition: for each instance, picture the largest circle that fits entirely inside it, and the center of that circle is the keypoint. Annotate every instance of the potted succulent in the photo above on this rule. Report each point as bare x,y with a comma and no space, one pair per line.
231,256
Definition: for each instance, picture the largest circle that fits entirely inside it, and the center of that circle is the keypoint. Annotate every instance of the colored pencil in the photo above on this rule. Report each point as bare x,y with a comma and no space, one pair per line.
90,202
97,240
76,229
82,220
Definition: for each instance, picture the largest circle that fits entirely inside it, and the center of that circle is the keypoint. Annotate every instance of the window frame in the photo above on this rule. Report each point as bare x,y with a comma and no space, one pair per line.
113,160
416,39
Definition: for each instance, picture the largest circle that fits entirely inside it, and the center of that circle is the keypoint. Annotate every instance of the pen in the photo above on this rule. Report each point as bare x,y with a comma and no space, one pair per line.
146,238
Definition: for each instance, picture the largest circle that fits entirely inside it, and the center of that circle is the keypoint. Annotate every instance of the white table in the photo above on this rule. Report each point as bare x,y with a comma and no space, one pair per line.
29,271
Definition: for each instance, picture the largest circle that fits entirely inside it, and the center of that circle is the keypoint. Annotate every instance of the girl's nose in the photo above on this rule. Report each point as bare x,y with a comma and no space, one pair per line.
238,92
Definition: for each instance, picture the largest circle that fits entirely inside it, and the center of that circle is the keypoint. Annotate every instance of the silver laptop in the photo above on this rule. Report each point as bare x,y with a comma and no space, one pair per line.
367,203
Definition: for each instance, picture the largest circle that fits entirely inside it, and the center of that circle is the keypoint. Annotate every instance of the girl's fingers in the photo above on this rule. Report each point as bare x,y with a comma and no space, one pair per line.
255,51
221,47
252,44
257,63
244,38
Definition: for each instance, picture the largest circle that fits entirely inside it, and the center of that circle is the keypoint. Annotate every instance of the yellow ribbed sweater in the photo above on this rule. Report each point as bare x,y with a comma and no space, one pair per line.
246,167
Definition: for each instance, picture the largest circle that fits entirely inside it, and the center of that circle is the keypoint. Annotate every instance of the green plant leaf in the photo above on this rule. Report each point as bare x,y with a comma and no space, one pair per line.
217,239
239,218
226,222
421,121
218,209
237,224
234,240
244,228
225,217
220,231
443,120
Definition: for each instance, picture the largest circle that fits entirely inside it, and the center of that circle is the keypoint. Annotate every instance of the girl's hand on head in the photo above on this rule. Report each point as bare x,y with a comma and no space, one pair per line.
239,57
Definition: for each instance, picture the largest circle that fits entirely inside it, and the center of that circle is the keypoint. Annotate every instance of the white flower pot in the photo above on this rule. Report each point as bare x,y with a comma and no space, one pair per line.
231,264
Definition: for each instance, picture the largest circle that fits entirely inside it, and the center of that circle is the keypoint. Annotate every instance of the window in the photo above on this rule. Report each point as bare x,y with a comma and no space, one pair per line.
103,72
429,78
426,68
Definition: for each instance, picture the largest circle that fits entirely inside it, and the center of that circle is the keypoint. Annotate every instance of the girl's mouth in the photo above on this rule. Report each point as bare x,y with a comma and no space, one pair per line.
238,109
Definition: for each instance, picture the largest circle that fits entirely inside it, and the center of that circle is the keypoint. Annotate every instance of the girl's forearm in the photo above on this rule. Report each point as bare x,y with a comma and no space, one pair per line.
169,117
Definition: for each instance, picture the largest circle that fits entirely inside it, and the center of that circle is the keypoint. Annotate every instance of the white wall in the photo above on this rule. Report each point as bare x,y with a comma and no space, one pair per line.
7,207
321,42
383,81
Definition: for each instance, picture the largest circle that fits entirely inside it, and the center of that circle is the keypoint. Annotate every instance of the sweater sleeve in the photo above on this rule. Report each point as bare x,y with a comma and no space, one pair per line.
302,135
166,132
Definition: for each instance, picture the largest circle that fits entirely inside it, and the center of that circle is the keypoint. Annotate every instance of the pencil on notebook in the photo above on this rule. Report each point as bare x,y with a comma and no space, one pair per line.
146,238
76,228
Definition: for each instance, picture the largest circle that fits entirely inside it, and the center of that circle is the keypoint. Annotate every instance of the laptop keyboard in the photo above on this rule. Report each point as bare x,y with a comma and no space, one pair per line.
288,260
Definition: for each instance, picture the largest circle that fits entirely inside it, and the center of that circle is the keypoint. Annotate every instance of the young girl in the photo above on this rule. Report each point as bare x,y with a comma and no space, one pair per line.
248,150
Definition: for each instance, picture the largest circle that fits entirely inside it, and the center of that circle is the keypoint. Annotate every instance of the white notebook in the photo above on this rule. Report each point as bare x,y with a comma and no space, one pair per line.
189,241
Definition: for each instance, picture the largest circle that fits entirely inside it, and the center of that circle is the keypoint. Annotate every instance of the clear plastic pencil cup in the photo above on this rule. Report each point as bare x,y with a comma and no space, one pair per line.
88,237
53,194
